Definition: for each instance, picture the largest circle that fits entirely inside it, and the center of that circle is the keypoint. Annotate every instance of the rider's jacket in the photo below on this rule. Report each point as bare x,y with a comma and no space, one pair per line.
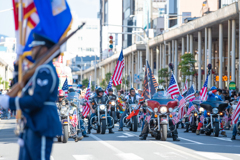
114,97
132,100
100,100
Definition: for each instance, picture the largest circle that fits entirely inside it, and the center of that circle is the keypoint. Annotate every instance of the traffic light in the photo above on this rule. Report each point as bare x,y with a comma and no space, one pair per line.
111,42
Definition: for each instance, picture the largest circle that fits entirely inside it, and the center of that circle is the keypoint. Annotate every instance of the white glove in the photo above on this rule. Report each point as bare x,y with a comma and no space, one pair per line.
4,101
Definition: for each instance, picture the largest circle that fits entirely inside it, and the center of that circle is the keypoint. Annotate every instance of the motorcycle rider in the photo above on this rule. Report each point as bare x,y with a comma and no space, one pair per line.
132,99
61,97
100,99
145,130
110,93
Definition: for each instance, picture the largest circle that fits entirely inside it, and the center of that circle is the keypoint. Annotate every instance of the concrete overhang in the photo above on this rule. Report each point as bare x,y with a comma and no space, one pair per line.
209,20
127,51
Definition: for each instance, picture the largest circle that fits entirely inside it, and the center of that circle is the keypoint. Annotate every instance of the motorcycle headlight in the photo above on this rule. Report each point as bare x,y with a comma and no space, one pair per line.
215,110
71,111
113,103
102,107
155,109
201,109
63,110
170,109
163,109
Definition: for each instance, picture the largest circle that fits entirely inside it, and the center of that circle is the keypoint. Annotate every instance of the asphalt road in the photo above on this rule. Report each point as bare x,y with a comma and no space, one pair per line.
127,146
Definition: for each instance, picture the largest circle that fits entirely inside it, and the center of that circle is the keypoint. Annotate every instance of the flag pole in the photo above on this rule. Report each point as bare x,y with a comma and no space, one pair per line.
148,79
20,60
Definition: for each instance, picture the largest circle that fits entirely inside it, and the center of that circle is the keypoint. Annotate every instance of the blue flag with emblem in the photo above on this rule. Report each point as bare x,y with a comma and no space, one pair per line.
65,87
54,21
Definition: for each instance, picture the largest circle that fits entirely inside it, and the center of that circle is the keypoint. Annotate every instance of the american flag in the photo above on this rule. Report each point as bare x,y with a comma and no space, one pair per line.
202,118
190,108
185,88
65,87
181,101
86,109
203,93
117,75
173,87
175,120
109,86
190,93
236,113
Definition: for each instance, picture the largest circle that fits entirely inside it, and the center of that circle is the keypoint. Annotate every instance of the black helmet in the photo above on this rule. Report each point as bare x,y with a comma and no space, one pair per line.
110,90
132,89
71,90
99,90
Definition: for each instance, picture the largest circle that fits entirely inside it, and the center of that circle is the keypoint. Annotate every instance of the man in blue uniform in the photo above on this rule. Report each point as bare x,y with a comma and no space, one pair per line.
38,106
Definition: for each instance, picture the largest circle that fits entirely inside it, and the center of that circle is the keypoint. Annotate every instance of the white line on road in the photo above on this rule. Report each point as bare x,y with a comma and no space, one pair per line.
171,155
210,155
167,145
224,139
190,140
129,156
83,157
129,134
122,136
51,158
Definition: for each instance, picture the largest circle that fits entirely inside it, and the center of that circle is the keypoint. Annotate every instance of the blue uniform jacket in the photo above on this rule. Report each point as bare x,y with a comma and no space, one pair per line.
38,102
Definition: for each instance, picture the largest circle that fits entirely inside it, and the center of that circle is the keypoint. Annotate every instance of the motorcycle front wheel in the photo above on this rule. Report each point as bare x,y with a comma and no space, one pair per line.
216,129
103,126
65,134
135,124
163,132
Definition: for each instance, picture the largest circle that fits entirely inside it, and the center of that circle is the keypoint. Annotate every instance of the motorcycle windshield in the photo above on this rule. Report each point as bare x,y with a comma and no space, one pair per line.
73,97
161,95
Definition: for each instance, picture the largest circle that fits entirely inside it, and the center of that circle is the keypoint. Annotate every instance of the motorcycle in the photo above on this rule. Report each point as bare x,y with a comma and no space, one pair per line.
215,111
74,117
63,110
162,106
113,108
99,121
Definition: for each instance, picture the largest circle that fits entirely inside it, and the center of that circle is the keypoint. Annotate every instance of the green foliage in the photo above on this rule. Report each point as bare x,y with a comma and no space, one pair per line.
119,87
6,85
123,82
163,75
105,81
108,76
103,84
85,82
187,65
92,86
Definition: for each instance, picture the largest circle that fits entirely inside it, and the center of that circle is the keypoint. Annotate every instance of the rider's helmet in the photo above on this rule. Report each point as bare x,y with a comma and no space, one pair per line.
99,89
160,88
71,90
132,89
110,90
213,88
61,94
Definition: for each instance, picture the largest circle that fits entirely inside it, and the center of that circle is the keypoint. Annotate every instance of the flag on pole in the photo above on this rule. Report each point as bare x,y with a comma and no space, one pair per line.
86,109
109,86
236,113
181,101
185,88
190,94
203,93
149,82
190,108
181,106
117,74
65,87
173,88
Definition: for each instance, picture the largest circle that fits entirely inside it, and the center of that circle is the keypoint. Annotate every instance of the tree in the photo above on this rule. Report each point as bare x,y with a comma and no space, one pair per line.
123,82
163,75
92,86
105,81
187,65
85,82
108,76
6,85
103,84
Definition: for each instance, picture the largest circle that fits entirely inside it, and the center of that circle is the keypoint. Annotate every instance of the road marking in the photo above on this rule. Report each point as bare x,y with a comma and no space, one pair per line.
51,158
106,144
169,155
224,139
167,145
212,155
190,140
129,134
122,136
129,156
83,157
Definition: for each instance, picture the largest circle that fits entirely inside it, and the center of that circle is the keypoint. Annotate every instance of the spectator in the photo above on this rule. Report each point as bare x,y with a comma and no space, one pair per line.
220,92
238,96
226,95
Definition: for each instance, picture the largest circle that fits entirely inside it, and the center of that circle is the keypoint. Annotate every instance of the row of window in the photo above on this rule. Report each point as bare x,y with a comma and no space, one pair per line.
87,49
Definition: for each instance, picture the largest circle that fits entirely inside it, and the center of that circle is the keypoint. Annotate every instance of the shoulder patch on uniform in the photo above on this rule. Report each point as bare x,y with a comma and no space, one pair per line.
44,70
42,82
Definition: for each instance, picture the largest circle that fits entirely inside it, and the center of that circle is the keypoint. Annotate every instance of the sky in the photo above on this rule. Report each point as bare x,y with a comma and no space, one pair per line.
83,8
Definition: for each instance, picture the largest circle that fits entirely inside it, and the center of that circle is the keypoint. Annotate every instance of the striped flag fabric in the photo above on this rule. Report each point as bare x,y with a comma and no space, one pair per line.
173,88
181,101
86,109
190,94
202,118
203,93
190,108
65,87
181,106
185,88
117,74
175,120
236,113
109,86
